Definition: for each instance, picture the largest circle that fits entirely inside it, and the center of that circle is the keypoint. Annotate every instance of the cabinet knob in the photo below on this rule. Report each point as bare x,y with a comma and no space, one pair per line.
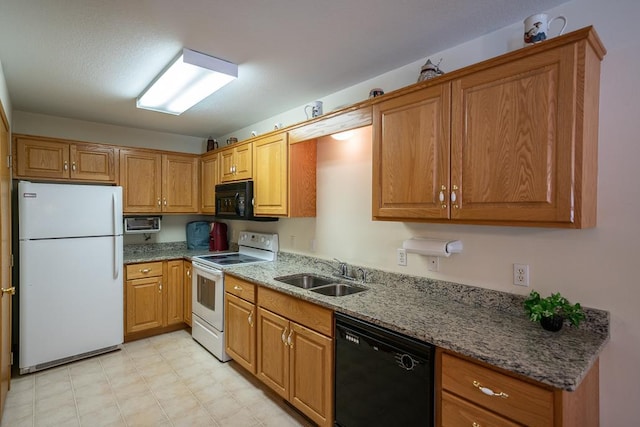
159,204
289,343
237,288
441,196
160,287
250,318
65,166
284,336
188,273
165,202
454,197
145,270
73,166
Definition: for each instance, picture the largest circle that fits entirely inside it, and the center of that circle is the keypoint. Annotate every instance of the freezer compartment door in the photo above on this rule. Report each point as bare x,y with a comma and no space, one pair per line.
71,298
63,210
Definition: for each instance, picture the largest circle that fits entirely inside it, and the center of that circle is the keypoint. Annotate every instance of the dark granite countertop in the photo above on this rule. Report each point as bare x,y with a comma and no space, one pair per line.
484,324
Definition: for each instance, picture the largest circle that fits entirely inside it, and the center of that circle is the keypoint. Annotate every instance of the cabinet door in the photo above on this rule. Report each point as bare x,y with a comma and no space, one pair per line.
411,155
188,291
174,293
227,161
244,162
208,180
180,183
41,158
512,140
143,304
240,331
311,378
273,351
93,163
141,180
270,176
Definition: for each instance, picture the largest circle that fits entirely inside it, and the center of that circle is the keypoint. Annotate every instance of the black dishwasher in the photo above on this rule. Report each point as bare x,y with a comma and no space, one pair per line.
382,378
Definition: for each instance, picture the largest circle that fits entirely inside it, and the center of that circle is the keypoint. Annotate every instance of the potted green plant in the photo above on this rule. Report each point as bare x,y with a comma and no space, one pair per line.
552,311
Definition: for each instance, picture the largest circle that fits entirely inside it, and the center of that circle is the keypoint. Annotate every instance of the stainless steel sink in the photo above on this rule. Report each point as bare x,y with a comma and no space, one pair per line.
338,289
304,280
320,284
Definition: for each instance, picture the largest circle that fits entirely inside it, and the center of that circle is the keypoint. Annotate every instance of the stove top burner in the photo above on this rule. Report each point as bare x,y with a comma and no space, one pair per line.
229,259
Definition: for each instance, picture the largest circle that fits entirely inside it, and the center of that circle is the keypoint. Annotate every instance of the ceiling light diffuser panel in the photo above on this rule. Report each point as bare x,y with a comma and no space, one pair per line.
189,79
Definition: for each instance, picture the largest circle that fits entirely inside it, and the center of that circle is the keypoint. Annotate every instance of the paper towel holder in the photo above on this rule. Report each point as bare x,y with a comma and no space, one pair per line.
432,247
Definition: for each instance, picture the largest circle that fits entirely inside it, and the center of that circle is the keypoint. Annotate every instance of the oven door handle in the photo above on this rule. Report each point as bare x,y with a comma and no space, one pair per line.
206,270
235,205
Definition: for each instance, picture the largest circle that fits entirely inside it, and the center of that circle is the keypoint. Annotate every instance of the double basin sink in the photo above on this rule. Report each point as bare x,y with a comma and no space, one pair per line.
320,284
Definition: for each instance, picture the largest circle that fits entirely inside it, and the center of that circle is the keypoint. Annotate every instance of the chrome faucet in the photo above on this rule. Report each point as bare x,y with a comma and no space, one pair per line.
340,270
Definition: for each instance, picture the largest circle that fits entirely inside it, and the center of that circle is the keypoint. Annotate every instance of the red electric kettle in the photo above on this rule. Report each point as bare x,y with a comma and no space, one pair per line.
218,237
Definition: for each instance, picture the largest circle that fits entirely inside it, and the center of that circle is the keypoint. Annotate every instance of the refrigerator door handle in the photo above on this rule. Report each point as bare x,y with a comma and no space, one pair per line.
117,263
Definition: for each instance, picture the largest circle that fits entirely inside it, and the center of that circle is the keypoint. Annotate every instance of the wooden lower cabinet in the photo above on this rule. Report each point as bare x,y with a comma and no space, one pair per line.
515,400
286,342
240,336
295,352
154,298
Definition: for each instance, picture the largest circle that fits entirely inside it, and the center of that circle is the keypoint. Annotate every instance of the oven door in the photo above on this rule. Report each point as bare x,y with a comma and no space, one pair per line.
208,295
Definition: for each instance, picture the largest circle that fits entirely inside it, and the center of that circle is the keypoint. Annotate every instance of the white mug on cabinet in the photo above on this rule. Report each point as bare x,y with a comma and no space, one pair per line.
536,27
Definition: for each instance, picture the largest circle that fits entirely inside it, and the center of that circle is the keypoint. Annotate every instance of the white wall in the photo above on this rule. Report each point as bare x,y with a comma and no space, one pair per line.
4,95
594,267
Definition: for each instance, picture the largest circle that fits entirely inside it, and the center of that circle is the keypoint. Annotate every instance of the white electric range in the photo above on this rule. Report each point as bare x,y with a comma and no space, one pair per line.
208,286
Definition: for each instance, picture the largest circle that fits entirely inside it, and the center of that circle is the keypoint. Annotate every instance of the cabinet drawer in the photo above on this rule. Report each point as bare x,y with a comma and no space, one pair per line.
459,412
146,269
240,288
526,403
310,315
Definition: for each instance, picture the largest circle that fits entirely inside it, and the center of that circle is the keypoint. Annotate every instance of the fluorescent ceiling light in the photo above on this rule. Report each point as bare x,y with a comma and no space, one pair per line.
189,79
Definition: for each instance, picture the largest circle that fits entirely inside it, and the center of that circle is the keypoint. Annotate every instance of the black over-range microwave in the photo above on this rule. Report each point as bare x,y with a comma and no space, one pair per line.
235,201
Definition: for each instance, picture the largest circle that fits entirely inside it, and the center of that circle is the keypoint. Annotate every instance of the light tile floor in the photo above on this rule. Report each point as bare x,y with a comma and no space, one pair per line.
166,380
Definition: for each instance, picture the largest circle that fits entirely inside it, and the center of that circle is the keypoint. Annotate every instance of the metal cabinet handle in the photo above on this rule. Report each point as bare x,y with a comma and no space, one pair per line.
475,424
159,203
284,336
237,288
188,273
145,270
73,166
250,318
165,202
160,287
289,343
10,291
488,391
65,166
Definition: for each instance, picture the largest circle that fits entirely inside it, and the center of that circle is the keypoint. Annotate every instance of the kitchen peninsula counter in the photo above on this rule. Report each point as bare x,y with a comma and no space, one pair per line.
486,325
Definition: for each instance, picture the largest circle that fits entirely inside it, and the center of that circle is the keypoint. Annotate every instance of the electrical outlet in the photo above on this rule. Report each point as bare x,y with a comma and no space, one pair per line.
402,256
521,274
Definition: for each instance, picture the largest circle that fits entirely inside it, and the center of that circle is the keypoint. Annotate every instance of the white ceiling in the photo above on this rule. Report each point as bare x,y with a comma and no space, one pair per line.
90,59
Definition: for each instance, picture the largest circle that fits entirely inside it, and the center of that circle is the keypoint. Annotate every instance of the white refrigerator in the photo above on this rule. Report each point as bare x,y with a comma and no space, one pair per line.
71,288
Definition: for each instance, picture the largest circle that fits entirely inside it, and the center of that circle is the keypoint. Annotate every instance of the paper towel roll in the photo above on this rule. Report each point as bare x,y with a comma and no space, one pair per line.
432,247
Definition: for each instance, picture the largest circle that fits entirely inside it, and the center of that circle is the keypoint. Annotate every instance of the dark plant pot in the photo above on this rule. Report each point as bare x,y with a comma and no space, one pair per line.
553,323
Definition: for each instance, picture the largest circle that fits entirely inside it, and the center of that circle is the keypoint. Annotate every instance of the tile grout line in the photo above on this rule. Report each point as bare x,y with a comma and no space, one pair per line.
111,388
148,341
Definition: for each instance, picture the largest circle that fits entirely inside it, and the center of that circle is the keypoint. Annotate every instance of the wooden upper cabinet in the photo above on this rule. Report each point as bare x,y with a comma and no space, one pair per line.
153,182
236,163
49,158
411,155
513,141
180,189
141,181
509,141
209,178
270,169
